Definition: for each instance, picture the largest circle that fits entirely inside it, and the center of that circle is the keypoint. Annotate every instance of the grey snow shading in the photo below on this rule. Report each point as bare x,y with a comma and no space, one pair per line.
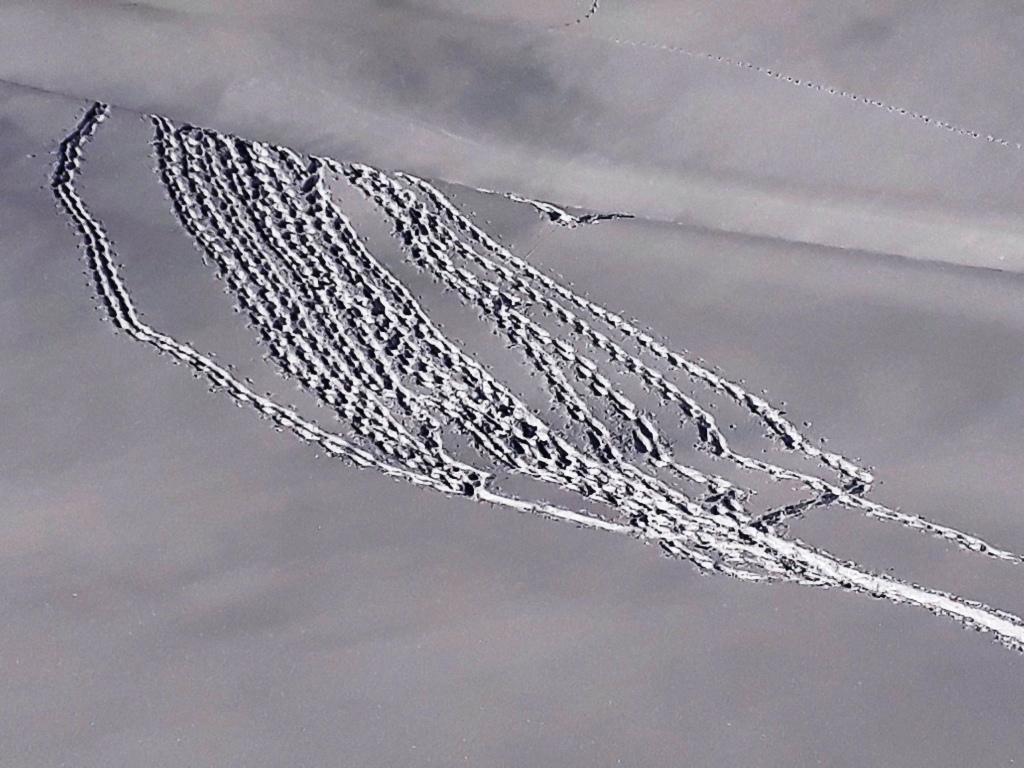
337,321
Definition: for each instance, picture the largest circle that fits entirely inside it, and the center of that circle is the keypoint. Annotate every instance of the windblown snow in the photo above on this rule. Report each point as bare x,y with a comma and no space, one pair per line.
418,406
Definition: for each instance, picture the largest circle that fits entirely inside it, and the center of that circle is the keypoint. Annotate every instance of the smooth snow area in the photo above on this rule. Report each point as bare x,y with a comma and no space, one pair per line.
632,110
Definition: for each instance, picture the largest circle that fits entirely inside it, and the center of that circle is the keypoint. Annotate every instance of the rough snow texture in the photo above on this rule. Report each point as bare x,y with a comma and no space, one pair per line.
417,406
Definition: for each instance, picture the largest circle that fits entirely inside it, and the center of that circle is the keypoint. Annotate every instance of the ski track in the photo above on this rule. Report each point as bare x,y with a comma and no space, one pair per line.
337,321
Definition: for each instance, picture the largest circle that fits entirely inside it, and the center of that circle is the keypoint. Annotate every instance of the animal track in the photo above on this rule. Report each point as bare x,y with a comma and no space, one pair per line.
594,6
337,321
782,77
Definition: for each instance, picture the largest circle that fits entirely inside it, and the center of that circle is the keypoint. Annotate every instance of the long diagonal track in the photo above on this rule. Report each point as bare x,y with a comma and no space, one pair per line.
342,325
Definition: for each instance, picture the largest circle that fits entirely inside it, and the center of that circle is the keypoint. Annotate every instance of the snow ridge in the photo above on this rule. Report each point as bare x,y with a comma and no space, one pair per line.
553,213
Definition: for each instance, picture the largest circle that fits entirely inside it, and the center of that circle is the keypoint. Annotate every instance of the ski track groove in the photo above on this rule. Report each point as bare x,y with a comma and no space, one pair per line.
334,319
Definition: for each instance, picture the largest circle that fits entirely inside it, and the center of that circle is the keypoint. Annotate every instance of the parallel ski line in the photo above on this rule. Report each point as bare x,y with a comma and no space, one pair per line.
268,222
